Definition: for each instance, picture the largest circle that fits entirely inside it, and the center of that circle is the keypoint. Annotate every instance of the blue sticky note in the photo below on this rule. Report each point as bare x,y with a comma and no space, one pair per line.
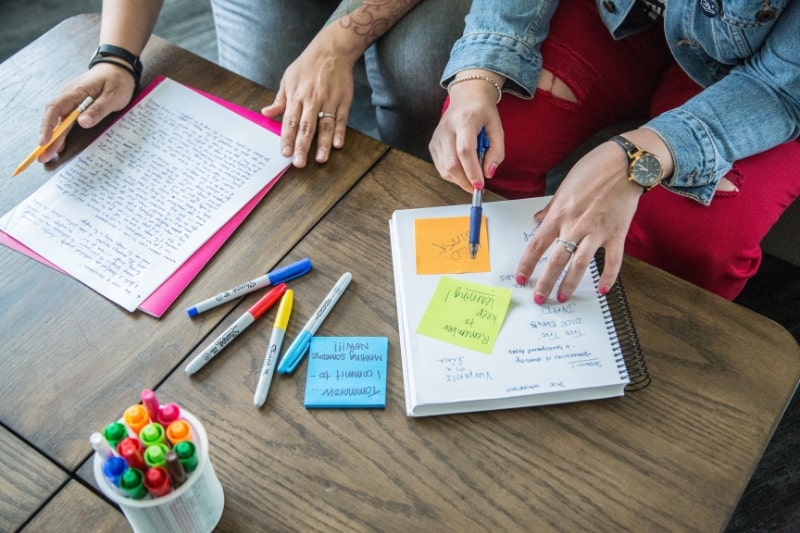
347,372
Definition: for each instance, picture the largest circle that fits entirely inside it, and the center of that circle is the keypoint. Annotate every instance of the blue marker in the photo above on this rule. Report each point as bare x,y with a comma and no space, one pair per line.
476,212
295,270
300,344
113,469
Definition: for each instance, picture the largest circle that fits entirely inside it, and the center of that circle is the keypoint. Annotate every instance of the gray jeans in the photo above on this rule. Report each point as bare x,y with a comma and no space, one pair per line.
398,78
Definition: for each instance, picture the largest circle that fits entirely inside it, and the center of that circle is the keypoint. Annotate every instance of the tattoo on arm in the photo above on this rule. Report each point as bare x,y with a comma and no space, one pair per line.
370,19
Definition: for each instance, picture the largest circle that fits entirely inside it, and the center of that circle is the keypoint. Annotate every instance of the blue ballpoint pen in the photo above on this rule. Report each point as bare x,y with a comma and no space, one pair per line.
476,212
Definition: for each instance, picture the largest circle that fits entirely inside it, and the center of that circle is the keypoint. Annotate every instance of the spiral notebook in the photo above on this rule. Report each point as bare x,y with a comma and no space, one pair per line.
472,340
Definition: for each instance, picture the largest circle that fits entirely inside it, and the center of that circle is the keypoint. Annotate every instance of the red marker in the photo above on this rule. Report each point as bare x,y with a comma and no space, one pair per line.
156,481
132,451
242,323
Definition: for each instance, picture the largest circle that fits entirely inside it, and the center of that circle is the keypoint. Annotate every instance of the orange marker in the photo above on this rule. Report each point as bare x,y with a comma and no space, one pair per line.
179,431
57,132
136,418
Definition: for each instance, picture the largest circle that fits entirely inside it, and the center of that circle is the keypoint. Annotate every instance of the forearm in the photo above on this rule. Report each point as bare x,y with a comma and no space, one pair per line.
129,23
356,24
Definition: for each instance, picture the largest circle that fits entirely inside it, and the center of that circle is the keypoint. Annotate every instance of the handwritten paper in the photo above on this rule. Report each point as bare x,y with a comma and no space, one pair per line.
442,246
129,210
347,372
466,314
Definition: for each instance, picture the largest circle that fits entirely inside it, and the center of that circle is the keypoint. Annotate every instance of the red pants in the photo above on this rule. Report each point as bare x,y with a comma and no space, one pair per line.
716,247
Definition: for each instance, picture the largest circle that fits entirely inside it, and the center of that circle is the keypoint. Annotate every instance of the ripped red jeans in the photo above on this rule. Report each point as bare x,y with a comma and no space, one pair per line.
716,247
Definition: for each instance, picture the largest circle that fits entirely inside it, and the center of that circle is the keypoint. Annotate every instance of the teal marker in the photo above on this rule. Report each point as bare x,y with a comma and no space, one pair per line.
113,433
187,454
132,483
155,455
152,433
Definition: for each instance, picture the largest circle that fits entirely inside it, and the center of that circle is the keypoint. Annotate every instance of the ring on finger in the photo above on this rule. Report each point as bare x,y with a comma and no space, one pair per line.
322,115
569,246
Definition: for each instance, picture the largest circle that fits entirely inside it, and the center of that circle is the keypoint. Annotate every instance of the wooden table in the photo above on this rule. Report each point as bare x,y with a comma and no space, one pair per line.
674,456
71,358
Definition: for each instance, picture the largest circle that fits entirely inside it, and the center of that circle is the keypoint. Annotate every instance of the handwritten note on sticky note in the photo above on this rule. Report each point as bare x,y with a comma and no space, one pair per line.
442,246
466,314
347,372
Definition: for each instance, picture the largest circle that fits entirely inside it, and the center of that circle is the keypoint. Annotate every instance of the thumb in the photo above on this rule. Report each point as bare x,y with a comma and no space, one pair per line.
277,107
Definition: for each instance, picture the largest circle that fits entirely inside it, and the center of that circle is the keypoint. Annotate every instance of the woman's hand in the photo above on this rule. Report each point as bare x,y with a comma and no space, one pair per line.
592,208
319,81
453,147
111,88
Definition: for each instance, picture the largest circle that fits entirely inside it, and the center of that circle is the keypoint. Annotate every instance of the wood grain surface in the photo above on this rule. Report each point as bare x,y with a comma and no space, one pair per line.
72,359
27,479
674,456
77,508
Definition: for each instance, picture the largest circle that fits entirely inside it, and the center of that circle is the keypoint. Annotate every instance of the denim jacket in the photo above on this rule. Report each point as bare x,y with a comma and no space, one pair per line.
745,53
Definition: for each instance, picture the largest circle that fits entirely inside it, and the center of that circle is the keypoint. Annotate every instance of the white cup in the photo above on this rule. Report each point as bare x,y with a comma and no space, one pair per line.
194,507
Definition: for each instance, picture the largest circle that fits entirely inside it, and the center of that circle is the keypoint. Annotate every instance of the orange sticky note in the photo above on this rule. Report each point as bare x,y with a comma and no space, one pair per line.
442,246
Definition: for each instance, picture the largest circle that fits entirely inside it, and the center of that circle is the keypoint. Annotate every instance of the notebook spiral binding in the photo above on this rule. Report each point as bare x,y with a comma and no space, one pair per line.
618,319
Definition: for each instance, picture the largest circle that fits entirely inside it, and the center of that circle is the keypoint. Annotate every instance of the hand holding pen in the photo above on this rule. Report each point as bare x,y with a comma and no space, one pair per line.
476,212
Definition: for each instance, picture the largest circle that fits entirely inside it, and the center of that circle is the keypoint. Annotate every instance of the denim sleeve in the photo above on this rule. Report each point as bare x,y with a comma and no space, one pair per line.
755,107
504,37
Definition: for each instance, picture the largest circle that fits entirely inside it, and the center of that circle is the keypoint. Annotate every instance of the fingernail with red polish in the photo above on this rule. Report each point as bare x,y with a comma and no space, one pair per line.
539,298
603,290
492,170
477,186
521,280
562,297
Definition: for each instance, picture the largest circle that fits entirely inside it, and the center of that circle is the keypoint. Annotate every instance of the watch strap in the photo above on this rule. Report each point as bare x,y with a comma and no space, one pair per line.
106,51
626,145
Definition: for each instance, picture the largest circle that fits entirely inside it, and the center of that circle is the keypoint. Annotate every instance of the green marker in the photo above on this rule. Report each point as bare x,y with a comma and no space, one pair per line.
152,433
155,455
132,483
187,454
113,433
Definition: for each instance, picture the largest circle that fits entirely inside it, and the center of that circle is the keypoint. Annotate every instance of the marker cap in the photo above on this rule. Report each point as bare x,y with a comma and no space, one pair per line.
155,455
178,431
132,482
156,481
187,455
114,432
136,417
168,413
150,402
176,472
113,469
290,272
131,450
152,433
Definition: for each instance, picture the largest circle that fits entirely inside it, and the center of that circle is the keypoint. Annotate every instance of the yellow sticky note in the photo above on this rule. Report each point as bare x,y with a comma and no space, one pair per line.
466,314
442,246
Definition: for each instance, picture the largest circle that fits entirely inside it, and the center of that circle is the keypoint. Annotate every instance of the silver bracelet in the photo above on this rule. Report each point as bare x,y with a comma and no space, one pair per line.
477,77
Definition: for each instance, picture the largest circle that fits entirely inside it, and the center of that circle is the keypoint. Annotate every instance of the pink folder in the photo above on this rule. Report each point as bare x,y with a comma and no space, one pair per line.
158,302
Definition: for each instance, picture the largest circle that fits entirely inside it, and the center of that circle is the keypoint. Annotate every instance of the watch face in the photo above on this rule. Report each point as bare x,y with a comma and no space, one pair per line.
646,170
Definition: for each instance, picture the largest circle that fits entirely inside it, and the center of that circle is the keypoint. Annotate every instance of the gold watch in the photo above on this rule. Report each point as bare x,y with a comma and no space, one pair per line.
644,168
